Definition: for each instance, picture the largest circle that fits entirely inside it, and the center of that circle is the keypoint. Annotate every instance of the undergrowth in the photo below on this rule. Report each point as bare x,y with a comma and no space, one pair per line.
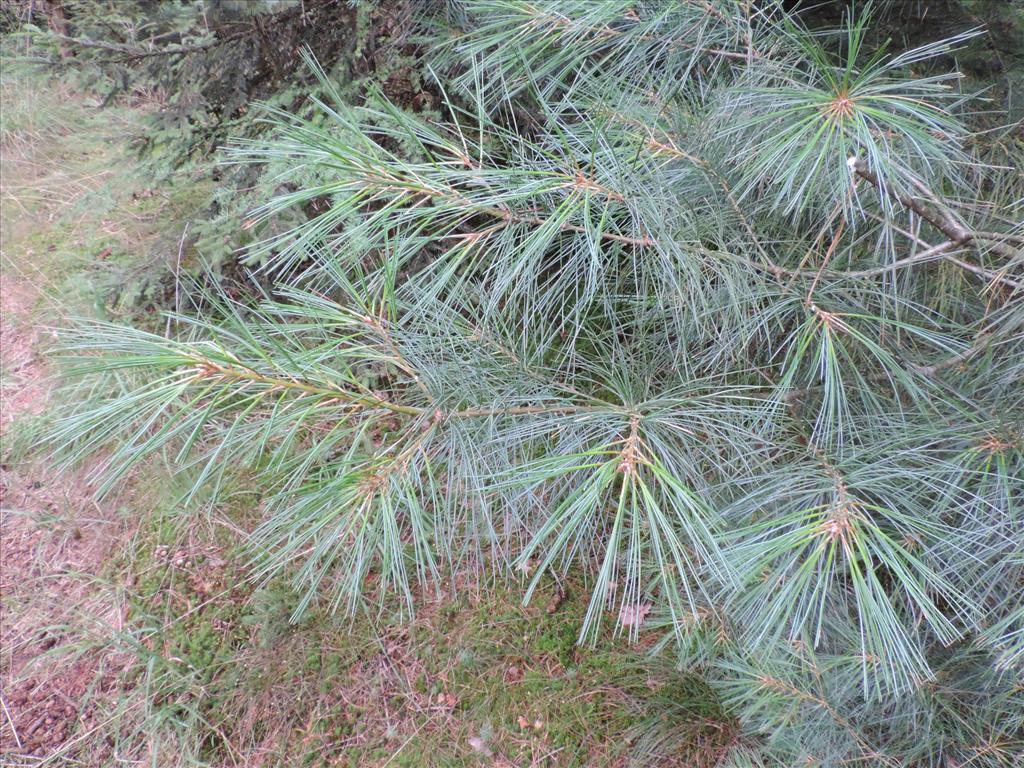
170,652
205,668
82,223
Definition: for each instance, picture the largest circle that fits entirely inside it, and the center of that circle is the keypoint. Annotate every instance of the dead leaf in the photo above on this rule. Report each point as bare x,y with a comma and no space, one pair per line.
634,615
557,600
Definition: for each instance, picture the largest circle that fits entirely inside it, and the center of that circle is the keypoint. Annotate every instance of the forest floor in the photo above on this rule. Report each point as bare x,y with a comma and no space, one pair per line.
131,631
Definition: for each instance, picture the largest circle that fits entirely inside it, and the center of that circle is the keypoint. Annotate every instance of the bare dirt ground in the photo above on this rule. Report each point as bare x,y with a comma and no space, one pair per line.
27,388
51,535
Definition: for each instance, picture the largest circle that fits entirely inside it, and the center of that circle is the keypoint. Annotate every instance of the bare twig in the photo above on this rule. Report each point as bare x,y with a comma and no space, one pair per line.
931,253
938,215
10,722
928,254
177,279
960,357
989,275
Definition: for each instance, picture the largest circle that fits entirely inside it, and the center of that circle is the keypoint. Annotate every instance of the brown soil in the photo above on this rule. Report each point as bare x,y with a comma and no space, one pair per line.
51,533
25,386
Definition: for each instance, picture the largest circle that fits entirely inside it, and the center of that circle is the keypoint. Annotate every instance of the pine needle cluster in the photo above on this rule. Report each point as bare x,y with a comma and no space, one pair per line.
722,313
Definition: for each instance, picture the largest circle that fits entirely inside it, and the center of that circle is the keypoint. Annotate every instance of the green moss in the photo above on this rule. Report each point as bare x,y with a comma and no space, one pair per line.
559,640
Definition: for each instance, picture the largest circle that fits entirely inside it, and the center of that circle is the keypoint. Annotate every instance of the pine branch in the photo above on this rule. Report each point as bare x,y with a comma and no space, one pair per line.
204,369
444,369
939,217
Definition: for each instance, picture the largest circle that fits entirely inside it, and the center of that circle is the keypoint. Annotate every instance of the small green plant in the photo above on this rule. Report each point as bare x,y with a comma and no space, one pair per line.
720,312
